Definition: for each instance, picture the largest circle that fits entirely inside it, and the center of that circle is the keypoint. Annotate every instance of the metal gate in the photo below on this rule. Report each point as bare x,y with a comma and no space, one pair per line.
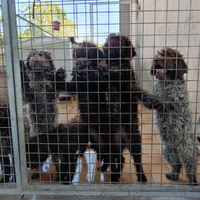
104,128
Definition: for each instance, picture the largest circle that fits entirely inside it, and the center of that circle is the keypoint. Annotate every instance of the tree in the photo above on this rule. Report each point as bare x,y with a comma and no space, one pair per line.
44,14
1,32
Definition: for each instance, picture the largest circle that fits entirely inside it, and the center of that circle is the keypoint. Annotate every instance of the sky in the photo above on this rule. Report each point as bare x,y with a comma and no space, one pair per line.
91,19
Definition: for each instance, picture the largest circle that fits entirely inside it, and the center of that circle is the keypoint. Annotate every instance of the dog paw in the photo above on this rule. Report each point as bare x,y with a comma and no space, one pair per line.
194,183
66,183
81,75
172,176
102,70
60,74
2,181
136,91
63,179
114,178
48,73
6,180
103,168
192,180
81,64
157,103
141,178
36,175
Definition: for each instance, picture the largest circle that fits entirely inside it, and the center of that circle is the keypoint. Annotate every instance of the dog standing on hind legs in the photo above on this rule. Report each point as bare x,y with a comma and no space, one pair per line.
173,120
42,85
41,88
118,52
91,87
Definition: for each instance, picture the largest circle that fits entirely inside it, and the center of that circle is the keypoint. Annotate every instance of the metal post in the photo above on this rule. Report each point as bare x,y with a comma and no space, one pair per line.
91,23
137,47
14,84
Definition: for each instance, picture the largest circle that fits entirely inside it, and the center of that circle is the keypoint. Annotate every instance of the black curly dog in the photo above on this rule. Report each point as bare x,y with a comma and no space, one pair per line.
122,102
6,143
114,84
91,88
41,90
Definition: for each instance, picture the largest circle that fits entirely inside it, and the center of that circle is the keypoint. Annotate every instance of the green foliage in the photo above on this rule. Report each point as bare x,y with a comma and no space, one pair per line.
44,14
1,33
1,39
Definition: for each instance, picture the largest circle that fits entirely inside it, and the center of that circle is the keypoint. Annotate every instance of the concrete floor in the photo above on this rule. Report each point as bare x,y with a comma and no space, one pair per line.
65,197
155,167
42,197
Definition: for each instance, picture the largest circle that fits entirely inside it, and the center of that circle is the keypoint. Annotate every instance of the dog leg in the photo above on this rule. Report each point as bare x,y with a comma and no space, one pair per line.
103,155
6,168
13,169
105,165
151,101
137,157
189,159
67,168
119,166
60,80
106,160
117,162
37,153
102,150
36,174
171,157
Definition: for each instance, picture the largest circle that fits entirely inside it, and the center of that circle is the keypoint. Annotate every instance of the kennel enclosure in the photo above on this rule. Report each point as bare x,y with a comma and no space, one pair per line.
151,25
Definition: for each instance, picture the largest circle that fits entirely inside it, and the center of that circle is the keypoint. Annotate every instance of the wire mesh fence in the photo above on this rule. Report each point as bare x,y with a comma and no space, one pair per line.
110,94
7,171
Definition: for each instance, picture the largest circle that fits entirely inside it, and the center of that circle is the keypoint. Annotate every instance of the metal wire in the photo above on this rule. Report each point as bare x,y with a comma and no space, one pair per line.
151,26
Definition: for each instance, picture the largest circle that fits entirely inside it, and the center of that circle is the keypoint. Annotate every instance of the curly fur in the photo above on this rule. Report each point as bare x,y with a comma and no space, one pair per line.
6,143
89,84
62,143
87,56
42,86
122,104
173,121
41,92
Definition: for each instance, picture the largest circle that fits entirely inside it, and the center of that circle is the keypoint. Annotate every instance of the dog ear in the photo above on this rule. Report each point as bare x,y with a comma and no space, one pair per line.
133,52
100,54
129,52
91,50
48,56
181,66
152,70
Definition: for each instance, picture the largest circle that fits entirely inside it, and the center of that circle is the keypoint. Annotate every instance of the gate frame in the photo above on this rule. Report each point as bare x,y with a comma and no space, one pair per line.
17,124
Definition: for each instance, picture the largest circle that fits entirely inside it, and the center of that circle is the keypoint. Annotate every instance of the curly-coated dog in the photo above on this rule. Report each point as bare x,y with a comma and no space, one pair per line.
173,121
42,85
91,87
85,83
41,92
122,104
62,143
6,143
